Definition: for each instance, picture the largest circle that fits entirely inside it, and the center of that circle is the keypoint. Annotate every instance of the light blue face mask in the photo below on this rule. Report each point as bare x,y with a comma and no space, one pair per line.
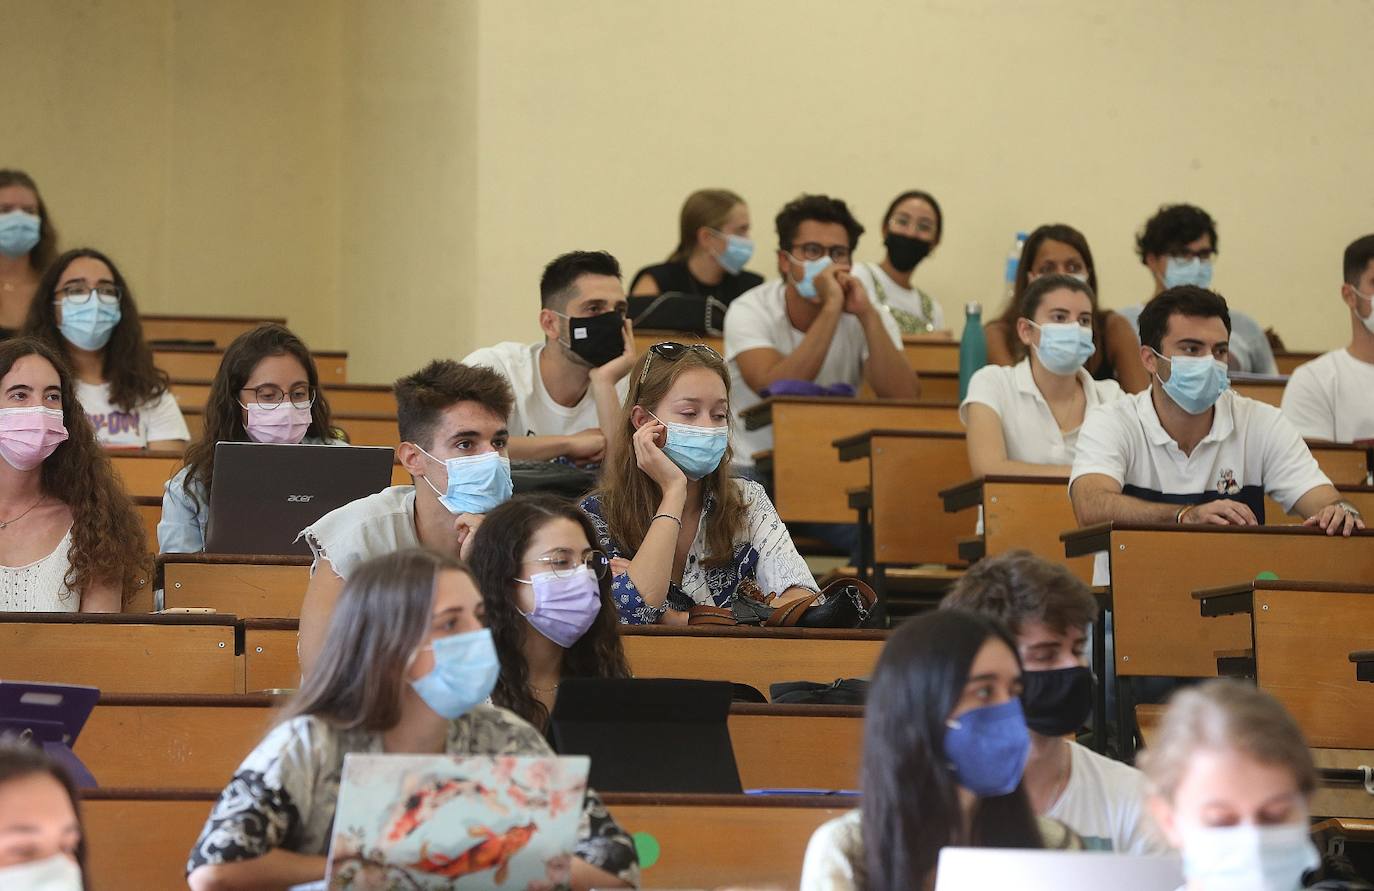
464,674
19,232
1195,382
738,250
1064,347
697,451
89,325
476,483
1193,271
806,285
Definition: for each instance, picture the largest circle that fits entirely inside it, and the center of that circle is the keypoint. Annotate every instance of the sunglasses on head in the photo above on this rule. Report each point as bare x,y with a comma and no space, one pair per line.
671,351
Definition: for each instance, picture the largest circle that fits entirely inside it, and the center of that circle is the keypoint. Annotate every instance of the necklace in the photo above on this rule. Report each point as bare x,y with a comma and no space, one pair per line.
553,689
5,524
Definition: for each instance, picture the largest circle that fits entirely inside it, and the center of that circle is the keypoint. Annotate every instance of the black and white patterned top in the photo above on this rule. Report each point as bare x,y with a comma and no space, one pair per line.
285,792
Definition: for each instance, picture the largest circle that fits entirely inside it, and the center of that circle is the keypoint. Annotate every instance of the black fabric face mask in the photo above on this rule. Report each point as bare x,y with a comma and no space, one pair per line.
1057,702
597,339
905,252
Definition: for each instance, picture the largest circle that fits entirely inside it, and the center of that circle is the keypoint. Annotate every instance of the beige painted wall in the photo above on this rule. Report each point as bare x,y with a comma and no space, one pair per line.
393,175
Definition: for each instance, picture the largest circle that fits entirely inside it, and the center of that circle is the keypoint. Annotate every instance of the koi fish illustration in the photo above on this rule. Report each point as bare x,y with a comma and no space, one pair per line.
492,851
420,805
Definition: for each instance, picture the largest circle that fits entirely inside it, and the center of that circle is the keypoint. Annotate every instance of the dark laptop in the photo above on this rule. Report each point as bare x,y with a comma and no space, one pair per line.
648,735
263,495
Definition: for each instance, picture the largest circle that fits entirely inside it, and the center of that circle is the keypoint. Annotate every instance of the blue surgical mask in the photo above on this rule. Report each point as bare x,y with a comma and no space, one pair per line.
1193,271
697,451
89,325
1064,347
738,250
806,285
1248,857
19,232
987,748
1195,382
464,673
476,483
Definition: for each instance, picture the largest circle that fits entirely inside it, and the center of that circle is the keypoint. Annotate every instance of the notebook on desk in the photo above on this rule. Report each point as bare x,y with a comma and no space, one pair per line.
977,869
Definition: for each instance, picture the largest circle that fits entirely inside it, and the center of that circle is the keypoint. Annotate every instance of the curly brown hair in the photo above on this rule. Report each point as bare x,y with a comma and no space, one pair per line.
495,562
108,541
128,360
42,254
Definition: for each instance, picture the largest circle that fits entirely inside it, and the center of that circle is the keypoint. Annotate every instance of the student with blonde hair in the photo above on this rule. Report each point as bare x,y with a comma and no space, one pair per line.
713,246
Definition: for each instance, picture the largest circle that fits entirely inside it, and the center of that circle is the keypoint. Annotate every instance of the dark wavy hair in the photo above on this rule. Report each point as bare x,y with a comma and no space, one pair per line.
128,361
1174,226
108,541
928,199
822,209
911,803
20,761
42,254
1064,234
223,411
495,561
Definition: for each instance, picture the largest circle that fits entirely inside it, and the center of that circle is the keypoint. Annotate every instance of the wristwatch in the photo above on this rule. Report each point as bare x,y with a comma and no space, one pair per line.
1350,509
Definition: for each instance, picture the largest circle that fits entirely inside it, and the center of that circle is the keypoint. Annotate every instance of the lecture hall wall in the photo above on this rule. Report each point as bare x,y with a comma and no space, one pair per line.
392,174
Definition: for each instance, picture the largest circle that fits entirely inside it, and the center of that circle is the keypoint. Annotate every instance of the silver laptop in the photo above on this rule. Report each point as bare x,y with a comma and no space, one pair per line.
977,869
263,495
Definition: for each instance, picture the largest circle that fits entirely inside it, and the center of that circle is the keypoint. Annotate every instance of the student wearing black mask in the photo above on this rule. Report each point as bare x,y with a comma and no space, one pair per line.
568,387
1048,611
912,228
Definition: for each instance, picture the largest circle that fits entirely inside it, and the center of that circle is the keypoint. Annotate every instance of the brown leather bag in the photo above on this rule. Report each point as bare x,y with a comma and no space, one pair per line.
711,615
861,600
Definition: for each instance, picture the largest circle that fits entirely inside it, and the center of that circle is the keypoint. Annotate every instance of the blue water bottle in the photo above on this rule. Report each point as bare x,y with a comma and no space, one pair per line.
973,346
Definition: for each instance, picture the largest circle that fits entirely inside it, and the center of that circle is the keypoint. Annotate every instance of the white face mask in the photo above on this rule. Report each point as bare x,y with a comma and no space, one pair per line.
56,873
1369,319
1248,857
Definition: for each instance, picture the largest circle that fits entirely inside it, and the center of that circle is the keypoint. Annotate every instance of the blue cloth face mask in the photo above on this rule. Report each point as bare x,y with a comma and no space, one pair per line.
1193,271
476,483
1195,382
19,232
738,250
1064,347
697,451
987,748
89,325
806,285
464,673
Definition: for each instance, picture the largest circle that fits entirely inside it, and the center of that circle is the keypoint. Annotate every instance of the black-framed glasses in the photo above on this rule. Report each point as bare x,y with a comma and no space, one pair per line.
563,562
814,251
81,293
671,351
270,396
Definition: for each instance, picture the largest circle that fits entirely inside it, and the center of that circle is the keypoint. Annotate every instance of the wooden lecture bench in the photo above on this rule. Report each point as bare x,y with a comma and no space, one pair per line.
810,483
937,351
1019,512
649,336
752,656
193,741
140,838
145,472
1302,634
1345,464
202,363
365,399
362,429
1268,390
904,471
1288,362
149,509
242,585
219,330
121,652
1361,496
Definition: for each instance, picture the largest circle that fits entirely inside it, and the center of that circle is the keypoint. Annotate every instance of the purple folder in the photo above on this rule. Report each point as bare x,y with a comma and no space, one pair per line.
50,716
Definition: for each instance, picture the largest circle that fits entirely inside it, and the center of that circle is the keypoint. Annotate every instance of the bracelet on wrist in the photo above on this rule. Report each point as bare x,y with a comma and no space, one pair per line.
1183,512
666,517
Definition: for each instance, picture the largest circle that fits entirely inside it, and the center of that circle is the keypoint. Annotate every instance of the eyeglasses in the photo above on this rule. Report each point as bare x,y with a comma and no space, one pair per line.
81,293
1205,255
921,224
269,396
813,251
671,351
563,562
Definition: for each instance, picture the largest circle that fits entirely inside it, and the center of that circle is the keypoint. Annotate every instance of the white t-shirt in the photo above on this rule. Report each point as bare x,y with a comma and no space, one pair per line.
1251,451
1104,802
152,421
360,530
535,412
758,319
1029,430
1329,398
905,301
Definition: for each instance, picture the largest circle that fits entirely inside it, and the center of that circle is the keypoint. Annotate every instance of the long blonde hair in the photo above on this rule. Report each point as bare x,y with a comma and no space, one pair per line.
705,207
629,497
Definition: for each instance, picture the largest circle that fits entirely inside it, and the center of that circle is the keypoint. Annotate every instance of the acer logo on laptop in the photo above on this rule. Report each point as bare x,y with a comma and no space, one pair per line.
299,499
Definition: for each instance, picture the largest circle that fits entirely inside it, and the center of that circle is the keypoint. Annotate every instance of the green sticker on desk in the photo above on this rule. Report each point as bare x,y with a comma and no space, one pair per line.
1267,577
647,847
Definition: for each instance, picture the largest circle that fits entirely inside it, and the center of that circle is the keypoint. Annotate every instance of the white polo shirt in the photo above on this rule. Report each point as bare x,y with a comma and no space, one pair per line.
1029,429
1251,451
758,319
1329,398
